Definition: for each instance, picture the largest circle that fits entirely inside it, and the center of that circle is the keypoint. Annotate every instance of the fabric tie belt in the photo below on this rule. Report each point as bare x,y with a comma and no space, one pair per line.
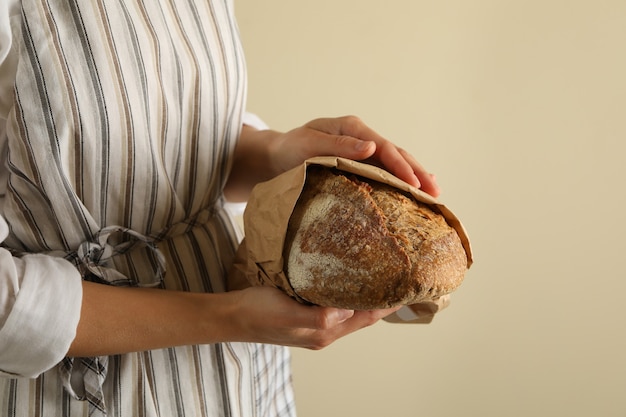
83,378
94,258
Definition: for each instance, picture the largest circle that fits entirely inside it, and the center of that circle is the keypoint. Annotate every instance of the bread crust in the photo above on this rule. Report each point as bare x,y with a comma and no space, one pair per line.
359,244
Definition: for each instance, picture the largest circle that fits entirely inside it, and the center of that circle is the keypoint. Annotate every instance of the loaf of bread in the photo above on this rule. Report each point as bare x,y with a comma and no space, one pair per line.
358,244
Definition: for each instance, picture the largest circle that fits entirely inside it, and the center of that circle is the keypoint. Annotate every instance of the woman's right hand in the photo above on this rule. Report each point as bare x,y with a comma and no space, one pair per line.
118,320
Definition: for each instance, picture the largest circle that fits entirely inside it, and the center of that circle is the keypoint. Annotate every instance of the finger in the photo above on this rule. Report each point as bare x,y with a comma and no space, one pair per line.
319,339
361,319
392,158
368,317
348,126
427,180
404,166
396,160
315,317
324,143
345,125
325,318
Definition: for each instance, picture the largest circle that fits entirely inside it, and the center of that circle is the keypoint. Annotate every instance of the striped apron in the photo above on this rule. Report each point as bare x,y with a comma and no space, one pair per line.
125,118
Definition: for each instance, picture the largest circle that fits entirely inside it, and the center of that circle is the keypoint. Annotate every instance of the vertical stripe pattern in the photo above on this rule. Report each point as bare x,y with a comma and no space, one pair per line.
125,118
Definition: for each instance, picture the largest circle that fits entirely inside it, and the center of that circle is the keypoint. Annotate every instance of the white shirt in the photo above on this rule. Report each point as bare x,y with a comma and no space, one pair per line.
35,329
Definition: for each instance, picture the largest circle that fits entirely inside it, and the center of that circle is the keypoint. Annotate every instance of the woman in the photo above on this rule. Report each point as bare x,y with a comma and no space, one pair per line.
122,130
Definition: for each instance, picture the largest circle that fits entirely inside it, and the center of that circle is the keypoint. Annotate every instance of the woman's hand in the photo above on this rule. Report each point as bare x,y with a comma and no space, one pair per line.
267,315
118,320
262,154
350,138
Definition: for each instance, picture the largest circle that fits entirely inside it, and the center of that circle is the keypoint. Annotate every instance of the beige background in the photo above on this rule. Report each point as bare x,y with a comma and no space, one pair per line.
519,108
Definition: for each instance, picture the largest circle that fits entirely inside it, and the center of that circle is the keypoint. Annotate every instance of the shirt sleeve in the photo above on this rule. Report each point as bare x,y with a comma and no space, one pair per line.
255,121
9,11
40,300
236,209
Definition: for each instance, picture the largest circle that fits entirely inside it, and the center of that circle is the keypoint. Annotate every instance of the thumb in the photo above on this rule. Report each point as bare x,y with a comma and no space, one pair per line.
342,145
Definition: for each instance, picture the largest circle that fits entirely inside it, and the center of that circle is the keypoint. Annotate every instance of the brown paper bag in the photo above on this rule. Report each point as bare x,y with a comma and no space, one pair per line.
259,259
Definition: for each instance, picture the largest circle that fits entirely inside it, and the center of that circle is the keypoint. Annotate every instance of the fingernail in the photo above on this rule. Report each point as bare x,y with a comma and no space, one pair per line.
345,315
362,145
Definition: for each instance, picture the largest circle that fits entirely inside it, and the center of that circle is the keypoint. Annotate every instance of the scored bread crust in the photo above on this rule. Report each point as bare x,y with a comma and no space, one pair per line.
365,245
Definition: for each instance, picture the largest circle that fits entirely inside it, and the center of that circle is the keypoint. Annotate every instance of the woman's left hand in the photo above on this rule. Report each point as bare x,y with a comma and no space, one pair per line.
350,138
262,154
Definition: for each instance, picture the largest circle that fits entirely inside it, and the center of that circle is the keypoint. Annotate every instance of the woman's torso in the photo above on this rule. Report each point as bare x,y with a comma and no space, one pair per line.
119,141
